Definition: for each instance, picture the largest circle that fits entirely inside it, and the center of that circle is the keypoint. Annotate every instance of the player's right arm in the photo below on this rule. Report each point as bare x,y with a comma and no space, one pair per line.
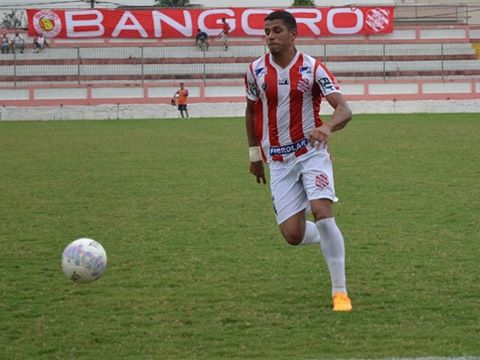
254,152
256,163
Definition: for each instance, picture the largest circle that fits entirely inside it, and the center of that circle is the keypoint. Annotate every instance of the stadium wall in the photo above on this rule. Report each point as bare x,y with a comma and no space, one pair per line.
226,99
152,100
163,111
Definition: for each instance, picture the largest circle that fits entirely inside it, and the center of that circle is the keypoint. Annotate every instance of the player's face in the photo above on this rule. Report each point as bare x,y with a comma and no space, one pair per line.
278,36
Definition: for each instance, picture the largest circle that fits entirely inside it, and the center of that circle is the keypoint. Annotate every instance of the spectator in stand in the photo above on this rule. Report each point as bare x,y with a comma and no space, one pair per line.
5,43
18,42
224,33
202,40
40,43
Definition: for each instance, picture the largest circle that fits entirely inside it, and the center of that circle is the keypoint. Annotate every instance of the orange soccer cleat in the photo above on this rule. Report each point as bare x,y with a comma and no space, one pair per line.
341,302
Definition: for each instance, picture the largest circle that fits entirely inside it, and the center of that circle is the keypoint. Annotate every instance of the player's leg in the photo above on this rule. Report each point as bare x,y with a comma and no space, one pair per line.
186,111
225,42
299,231
319,184
333,249
290,202
332,243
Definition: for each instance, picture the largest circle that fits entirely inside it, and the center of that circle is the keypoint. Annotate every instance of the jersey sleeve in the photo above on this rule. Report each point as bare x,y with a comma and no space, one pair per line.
251,88
325,80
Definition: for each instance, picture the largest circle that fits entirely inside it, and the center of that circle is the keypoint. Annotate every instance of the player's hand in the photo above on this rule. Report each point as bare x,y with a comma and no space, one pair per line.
320,134
256,168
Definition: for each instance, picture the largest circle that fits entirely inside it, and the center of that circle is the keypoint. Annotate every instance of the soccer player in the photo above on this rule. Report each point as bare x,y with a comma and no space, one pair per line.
284,89
181,98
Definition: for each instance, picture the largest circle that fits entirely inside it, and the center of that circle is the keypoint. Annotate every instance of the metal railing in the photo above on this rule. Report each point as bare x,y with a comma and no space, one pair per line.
437,14
90,65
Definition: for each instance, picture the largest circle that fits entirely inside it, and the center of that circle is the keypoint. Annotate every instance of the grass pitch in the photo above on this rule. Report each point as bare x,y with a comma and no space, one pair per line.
197,267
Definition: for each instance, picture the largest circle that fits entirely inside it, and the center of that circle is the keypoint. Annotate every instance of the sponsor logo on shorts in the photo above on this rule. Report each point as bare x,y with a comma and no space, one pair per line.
321,180
288,149
273,205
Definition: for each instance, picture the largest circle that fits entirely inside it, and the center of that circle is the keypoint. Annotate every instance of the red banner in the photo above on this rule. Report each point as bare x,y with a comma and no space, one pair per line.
183,23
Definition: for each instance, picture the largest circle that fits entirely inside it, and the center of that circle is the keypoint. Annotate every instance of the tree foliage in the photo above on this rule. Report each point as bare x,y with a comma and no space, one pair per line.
303,3
172,3
12,20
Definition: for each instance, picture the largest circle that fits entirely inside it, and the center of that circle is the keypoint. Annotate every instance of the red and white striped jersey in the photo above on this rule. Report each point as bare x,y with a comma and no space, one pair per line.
287,103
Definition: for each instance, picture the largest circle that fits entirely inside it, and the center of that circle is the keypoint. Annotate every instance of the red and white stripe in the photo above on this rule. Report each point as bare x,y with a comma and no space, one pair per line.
288,101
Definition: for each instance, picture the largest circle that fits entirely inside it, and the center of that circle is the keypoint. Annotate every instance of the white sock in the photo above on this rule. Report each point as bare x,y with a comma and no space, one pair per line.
333,250
312,236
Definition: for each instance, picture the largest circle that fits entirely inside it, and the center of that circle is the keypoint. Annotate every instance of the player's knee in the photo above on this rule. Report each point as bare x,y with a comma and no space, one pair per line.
293,237
322,215
322,209
293,229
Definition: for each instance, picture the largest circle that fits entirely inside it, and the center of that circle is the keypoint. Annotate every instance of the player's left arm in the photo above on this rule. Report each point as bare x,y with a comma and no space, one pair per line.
339,119
342,113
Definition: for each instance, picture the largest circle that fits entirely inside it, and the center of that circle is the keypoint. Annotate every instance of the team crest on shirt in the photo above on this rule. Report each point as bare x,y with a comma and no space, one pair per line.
282,81
303,85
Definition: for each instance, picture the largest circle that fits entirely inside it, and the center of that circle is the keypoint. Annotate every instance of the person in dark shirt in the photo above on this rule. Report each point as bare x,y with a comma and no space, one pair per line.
202,40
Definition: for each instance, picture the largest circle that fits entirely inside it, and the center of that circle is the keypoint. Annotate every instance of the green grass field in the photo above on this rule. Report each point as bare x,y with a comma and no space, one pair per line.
197,267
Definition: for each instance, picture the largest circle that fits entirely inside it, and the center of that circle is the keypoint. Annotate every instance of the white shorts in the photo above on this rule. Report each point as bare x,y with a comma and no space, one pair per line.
294,183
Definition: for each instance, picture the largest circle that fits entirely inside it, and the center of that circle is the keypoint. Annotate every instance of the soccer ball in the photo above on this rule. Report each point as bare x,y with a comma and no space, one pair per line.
84,260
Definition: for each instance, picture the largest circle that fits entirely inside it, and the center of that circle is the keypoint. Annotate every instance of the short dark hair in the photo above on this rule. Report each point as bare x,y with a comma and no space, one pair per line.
287,18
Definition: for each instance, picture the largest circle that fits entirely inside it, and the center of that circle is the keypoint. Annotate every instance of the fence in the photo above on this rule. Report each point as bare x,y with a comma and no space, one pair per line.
143,64
437,14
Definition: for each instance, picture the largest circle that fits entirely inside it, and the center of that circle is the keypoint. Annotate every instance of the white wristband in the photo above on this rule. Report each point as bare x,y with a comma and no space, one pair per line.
254,153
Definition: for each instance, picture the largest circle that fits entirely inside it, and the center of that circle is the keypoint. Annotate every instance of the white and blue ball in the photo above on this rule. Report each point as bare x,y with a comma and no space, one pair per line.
84,260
